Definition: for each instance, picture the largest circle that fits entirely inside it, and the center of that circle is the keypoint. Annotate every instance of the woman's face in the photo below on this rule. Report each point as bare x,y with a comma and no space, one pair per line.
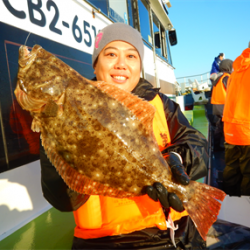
119,63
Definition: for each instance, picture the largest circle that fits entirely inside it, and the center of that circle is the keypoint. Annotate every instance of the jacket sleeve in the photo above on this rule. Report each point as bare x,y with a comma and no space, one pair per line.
185,140
55,190
217,64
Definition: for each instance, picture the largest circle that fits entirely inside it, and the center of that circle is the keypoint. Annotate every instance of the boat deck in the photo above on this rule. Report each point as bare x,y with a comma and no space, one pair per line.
51,230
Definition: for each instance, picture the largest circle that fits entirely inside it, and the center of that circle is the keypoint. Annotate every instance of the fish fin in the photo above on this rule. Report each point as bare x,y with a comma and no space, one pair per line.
50,109
36,125
53,108
203,207
75,180
143,110
27,102
61,100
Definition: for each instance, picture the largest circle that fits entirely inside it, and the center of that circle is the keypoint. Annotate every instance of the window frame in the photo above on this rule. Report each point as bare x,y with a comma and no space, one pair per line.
167,48
166,54
155,21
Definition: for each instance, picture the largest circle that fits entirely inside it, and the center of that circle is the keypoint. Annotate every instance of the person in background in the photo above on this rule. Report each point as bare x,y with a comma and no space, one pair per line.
218,100
216,64
236,118
110,223
213,119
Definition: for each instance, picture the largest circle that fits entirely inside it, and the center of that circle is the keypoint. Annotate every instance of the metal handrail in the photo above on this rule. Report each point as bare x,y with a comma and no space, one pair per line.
192,75
201,78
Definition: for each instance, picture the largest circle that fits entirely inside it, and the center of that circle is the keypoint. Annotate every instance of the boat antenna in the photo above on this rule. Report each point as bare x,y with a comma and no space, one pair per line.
26,39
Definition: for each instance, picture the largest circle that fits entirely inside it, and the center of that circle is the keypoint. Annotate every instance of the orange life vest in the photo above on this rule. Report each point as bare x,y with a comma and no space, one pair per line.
236,115
104,216
219,91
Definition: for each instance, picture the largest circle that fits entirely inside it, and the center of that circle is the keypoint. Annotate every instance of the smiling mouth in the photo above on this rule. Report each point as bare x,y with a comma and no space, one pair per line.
121,78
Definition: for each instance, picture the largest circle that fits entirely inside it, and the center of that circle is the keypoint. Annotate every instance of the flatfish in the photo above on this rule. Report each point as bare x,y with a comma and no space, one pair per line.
99,137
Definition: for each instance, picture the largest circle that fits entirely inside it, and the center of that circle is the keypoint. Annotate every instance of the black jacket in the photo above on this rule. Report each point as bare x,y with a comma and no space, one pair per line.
185,140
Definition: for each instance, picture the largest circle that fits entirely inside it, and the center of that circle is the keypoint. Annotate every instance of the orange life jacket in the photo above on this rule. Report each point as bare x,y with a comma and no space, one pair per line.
219,91
104,216
236,115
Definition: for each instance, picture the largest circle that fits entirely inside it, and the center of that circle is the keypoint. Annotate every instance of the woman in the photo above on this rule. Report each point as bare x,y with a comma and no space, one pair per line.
110,223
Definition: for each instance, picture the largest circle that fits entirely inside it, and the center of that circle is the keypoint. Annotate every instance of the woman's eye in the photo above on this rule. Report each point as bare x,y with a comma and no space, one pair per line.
111,54
131,56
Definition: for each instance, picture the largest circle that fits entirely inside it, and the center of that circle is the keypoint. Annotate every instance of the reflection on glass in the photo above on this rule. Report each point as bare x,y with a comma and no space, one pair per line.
118,11
115,9
19,145
168,49
130,13
3,154
100,4
20,123
144,22
157,36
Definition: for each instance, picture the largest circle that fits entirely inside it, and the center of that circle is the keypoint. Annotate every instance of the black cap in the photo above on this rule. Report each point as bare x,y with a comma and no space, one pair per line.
226,65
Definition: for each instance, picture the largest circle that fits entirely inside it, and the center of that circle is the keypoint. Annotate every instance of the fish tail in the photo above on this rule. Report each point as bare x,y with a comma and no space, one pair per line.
203,206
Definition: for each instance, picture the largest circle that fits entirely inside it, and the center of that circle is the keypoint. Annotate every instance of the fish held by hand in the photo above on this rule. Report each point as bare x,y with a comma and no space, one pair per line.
100,138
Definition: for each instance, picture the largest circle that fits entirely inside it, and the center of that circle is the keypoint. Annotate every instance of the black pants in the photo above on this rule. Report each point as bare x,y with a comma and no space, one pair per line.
219,135
82,244
236,175
186,237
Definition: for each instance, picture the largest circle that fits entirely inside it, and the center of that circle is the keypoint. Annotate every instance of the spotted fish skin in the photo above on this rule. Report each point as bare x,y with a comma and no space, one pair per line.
99,137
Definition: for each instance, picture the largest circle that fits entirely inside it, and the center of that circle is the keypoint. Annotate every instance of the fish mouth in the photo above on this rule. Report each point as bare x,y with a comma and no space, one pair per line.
33,90
24,50
26,57
24,61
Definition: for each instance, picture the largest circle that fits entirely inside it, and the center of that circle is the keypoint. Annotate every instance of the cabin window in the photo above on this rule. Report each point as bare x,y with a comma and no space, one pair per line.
144,21
118,11
130,4
100,4
168,56
162,47
157,36
115,10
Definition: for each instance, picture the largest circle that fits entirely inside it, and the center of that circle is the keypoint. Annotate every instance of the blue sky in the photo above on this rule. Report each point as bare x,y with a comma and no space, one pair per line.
206,28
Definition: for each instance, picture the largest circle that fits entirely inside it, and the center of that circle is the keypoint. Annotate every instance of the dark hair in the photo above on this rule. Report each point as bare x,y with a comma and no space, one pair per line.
221,54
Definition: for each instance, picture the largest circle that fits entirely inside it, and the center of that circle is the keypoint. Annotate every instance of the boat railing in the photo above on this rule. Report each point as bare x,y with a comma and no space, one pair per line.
199,82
